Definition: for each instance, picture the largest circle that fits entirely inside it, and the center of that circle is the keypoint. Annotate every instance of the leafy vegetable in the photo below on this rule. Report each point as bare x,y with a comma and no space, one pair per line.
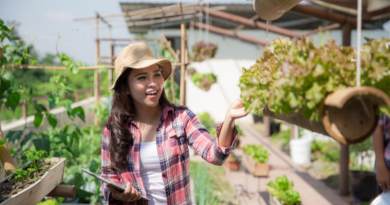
202,51
282,190
297,77
204,80
257,152
21,175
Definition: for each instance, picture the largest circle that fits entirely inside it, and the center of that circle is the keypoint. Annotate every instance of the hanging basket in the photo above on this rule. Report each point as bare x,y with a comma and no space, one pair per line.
202,51
273,9
205,83
349,115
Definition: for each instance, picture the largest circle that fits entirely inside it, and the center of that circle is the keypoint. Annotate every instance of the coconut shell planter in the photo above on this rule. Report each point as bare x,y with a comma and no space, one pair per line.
273,9
254,160
314,87
204,80
28,187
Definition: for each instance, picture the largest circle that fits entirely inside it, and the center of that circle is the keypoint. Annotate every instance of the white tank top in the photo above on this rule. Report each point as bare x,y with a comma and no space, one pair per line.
151,174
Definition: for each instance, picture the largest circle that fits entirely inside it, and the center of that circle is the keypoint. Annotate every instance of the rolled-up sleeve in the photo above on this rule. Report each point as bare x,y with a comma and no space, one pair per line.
203,143
106,163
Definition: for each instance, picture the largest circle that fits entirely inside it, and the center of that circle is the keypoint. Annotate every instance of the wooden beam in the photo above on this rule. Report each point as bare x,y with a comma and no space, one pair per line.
229,33
325,15
66,191
241,26
326,28
374,15
130,40
250,23
149,11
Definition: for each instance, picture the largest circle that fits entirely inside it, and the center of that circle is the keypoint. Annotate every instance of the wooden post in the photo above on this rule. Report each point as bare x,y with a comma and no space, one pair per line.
24,110
77,97
110,74
97,75
344,151
183,59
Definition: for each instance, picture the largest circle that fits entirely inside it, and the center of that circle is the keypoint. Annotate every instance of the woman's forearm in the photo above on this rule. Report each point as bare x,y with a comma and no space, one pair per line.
226,135
378,145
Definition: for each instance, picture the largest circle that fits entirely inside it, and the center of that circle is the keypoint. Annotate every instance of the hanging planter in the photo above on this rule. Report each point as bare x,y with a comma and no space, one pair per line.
273,9
204,80
313,87
202,51
35,192
254,159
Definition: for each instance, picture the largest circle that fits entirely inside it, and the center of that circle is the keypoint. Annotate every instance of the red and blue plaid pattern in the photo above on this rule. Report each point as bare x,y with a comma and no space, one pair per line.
179,128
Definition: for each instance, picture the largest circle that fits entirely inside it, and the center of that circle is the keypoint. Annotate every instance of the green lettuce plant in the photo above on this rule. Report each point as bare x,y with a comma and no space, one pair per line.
282,190
21,175
257,152
297,77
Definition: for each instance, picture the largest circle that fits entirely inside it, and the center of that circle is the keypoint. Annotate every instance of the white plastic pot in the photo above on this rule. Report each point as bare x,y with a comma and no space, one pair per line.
383,199
300,150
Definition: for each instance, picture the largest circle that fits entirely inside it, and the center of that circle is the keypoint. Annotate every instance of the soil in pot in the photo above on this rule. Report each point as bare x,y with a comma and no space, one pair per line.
363,185
12,186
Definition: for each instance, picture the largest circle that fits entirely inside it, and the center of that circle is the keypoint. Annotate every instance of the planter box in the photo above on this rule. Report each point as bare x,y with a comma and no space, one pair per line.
37,191
273,200
255,168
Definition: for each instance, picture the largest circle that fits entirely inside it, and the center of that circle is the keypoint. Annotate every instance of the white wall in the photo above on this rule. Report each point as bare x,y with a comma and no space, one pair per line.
221,94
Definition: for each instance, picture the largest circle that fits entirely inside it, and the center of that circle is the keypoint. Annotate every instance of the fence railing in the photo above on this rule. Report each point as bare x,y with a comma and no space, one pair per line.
76,93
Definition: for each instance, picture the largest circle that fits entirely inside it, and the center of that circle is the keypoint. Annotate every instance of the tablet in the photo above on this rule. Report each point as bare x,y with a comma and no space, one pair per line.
107,182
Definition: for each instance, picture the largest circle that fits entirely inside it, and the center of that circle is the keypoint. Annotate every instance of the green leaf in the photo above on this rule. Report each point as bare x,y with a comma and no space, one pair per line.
42,144
40,108
79,111
52,119
38,119
4,85
52,101
93,166
10,78
26,139
2,142
13,136
12,101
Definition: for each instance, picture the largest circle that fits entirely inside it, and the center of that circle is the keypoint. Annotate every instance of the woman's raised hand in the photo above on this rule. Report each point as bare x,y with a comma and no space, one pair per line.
130,194
236,110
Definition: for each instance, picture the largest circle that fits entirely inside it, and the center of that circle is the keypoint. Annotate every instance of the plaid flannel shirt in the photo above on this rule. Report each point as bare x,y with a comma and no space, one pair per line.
178,128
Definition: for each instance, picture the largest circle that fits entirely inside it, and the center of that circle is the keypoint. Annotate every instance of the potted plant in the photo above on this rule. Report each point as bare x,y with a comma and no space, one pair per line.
33,182
233,163
204,80
202,51
281,192
295,82
254,159
363,183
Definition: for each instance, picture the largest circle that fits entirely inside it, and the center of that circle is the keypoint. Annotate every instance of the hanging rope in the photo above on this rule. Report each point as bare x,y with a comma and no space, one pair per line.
359,47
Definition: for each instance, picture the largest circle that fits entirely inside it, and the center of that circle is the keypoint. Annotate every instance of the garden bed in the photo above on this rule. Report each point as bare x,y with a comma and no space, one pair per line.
36,185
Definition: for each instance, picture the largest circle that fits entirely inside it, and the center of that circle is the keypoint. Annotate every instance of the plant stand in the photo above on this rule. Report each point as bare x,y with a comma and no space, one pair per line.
41,188
255,168
349,115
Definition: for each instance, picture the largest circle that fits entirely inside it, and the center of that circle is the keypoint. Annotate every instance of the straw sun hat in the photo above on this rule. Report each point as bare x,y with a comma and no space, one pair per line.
137,56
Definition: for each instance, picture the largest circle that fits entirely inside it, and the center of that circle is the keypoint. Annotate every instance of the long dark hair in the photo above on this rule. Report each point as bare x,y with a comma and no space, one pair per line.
123,108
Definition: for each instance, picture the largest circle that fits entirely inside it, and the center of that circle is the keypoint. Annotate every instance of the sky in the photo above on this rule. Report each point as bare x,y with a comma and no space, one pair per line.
43,21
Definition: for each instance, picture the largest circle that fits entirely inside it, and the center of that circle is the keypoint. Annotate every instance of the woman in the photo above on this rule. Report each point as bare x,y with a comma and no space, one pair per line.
145,141
381,138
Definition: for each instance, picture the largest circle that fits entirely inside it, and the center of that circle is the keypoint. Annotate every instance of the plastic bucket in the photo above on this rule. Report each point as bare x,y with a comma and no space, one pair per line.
383,199
300,150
